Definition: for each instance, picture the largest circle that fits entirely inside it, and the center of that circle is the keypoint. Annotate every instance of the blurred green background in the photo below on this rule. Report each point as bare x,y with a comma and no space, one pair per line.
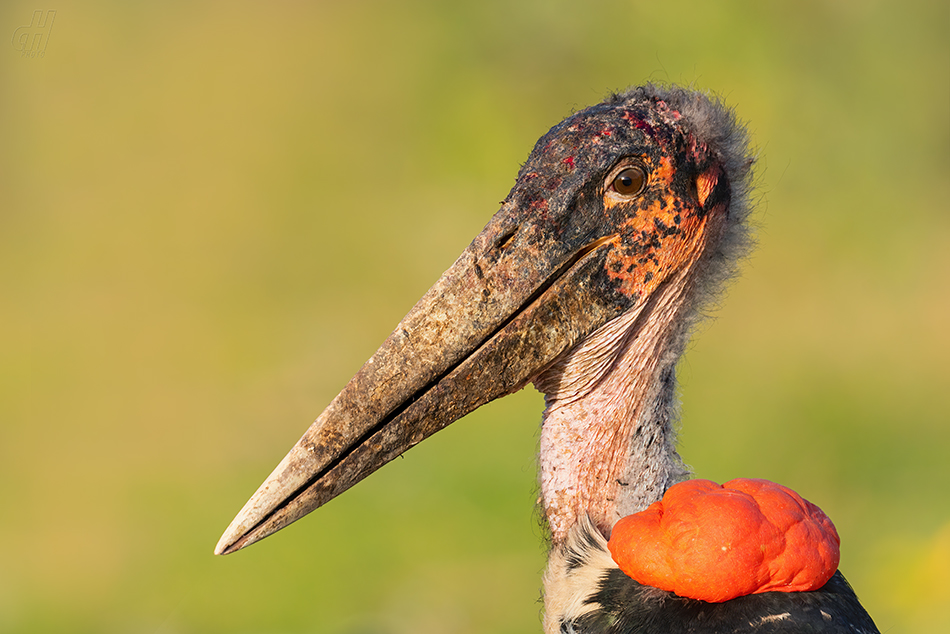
212,214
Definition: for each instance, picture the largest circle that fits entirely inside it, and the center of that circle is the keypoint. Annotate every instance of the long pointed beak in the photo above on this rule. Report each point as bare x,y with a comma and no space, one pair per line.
510,305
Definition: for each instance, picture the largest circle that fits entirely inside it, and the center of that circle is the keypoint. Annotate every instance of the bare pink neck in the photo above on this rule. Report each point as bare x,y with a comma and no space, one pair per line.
607,444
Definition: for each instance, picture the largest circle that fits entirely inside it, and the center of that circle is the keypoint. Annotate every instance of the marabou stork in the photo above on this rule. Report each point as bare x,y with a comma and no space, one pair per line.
626,218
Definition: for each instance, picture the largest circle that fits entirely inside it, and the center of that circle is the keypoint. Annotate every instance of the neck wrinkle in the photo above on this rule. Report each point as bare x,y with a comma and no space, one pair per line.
607,445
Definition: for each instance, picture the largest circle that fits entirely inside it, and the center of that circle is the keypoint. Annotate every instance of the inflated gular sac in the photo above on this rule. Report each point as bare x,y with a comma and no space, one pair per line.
715,543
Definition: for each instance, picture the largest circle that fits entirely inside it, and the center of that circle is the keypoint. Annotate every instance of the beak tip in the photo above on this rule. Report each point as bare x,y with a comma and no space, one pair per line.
235,539
229,542
251,525
223,547
260,517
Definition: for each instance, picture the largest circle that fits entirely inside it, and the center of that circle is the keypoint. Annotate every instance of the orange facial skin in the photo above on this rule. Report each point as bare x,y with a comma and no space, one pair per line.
715,543
664,234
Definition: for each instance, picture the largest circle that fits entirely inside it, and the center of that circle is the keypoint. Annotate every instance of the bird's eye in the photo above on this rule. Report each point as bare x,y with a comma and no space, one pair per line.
630,181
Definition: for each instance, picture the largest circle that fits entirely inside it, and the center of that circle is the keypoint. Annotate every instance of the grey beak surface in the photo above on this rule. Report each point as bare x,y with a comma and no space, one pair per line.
496,318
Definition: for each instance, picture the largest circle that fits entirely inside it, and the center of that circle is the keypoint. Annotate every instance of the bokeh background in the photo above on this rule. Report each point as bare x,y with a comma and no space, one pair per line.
212,213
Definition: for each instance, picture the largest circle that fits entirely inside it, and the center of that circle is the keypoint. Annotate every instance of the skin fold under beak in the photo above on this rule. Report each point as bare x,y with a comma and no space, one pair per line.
509,306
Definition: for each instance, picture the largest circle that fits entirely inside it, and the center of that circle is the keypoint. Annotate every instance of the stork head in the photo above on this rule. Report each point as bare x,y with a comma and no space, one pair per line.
625,213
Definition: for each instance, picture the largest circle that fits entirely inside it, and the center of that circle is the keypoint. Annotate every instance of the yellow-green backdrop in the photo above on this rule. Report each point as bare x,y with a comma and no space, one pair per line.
211,214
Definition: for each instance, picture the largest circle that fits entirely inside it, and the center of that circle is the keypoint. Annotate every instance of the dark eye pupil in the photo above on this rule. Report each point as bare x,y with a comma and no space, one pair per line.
629,181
